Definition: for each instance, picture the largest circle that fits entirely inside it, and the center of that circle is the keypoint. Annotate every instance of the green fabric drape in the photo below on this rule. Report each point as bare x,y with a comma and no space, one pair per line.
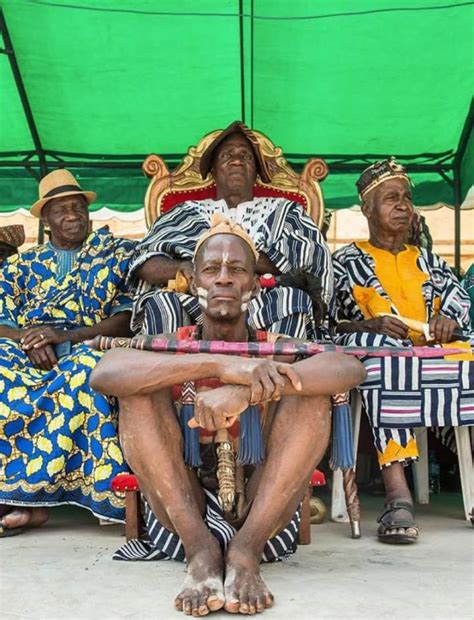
334,77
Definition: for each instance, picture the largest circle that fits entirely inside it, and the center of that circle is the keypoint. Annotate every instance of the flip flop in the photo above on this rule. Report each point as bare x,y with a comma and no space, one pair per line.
5,532
388,521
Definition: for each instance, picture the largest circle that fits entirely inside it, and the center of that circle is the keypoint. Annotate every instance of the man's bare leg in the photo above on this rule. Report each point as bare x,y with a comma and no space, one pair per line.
298,439
152,443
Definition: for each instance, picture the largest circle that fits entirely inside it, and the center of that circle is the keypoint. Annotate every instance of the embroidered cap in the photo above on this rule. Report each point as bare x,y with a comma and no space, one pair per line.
222,226
13,235
378,173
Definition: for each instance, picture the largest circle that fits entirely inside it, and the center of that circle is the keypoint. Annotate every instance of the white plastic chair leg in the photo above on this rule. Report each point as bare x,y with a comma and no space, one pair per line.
463,445
420,469
338,500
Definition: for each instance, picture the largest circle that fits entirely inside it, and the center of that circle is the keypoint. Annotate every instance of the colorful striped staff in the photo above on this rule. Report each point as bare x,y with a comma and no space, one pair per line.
262,349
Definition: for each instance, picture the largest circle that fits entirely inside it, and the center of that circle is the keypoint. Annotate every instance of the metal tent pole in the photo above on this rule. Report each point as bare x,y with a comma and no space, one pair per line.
460,152
242,60
10,51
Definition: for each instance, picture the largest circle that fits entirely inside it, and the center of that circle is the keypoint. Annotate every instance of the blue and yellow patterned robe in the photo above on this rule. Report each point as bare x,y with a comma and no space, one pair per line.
58,438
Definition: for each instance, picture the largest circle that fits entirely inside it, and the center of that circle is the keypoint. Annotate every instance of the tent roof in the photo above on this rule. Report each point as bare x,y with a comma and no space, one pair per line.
112,80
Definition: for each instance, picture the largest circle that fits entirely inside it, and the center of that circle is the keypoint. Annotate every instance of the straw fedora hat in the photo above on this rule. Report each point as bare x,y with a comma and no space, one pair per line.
56,184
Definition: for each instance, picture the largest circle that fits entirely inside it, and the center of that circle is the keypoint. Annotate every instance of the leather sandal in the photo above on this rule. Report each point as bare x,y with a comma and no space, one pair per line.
389,521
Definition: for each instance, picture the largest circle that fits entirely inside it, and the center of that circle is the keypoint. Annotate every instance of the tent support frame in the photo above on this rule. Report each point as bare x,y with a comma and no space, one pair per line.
344,164
10,51
460,152
242,60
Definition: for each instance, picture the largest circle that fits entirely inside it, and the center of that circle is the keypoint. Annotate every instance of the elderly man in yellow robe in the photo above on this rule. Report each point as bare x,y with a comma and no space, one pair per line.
380,283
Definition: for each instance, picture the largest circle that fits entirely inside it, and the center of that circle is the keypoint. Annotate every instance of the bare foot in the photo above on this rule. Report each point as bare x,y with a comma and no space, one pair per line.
203,589
245,591
24,517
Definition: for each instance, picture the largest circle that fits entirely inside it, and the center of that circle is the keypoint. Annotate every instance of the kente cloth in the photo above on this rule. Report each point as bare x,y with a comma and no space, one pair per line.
58,438
159,543
280,228
400,394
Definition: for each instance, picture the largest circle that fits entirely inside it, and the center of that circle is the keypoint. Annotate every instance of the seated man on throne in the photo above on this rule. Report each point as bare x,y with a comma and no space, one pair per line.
286,238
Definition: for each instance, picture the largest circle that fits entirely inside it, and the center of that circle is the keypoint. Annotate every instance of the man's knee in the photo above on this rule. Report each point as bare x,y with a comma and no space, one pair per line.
315,409
131,405
322,412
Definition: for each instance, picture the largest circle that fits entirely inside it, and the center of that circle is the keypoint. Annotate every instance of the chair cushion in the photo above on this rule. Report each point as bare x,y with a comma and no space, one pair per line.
318,479
125,482
128,482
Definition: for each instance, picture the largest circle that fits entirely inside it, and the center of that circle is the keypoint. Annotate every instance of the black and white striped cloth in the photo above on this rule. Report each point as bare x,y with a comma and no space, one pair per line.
355,267
281,310
399,393
281,229
158,543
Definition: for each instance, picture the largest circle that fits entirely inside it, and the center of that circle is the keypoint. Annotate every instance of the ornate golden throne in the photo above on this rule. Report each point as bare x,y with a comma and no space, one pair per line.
167,189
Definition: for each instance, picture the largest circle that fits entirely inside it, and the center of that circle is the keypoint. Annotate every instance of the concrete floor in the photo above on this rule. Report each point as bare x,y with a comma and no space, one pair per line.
65,572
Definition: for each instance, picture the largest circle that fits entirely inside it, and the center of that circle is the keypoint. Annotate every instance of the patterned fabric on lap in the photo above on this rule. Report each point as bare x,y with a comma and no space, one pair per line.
402,392
59,442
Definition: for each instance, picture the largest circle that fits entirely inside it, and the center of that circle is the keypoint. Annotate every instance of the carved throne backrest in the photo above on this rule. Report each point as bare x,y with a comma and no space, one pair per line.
167,189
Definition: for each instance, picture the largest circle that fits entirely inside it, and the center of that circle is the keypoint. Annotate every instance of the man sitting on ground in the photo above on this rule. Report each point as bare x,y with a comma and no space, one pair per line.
286,238
294,404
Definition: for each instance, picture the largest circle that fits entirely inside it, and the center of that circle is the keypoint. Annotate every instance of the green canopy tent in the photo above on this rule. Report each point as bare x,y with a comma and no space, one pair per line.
96,85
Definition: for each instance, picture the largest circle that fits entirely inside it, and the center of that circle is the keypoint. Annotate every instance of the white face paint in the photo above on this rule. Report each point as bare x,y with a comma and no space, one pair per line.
246,297
202,297
221,309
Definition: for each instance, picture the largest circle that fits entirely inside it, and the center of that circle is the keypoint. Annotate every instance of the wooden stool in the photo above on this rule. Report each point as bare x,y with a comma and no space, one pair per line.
128,484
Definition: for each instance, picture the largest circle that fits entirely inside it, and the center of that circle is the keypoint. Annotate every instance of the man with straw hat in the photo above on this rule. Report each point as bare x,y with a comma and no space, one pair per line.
162,396
58,437
391,293
11,237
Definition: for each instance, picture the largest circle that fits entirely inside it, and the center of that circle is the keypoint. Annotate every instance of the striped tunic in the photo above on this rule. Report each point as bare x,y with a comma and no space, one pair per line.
354,267
281,229
400,393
